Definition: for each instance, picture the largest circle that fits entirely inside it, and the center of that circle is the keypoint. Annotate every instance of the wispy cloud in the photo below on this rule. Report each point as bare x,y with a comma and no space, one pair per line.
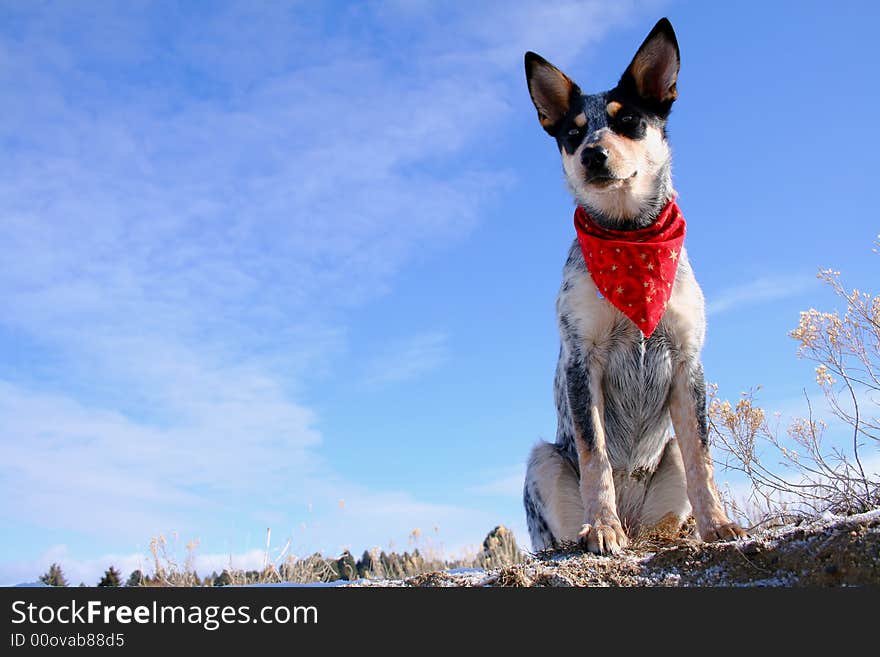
192,199
759,290
407,359
507,482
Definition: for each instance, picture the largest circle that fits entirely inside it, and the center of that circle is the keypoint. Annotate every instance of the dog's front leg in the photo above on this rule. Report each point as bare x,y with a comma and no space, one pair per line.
687,408
602,532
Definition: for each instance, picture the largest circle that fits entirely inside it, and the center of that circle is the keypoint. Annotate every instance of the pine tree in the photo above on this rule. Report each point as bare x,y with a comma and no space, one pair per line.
54,577
223,580
135,579
347,566
111,578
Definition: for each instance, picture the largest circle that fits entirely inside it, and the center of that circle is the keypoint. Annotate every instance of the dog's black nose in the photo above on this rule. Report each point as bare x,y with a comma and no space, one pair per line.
594,158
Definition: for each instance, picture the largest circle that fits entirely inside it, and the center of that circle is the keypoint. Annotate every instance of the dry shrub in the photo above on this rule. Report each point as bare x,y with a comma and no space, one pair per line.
798,471
167,571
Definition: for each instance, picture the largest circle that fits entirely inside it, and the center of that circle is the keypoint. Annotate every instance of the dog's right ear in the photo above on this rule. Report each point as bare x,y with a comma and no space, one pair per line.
551,90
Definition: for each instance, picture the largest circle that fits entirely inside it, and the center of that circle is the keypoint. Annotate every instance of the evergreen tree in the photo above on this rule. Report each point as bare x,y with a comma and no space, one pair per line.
347,566
135,579
54,577
223,580
111,578
365,565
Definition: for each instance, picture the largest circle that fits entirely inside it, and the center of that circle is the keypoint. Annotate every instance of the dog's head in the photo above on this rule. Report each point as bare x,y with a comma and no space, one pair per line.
613,144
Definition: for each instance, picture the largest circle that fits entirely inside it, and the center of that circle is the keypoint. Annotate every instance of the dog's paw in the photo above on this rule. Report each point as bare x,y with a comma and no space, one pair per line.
600,538
726,531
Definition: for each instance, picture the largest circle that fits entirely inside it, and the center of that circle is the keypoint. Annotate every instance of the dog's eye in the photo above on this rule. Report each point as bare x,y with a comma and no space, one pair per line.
574,132
629,118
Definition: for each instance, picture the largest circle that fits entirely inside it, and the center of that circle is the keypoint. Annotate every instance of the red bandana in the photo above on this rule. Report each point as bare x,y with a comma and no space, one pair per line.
634,269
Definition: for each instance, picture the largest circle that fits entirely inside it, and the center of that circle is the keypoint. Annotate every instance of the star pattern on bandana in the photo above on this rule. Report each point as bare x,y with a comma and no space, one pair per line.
634,269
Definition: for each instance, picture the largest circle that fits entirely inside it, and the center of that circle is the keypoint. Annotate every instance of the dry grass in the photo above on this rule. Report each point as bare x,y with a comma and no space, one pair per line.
279,566
799,471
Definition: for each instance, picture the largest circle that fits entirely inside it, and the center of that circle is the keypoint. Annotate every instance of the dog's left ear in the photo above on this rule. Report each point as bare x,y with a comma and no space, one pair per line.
653,72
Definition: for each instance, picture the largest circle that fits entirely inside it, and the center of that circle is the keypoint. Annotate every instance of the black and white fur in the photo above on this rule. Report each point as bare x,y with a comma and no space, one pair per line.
614,469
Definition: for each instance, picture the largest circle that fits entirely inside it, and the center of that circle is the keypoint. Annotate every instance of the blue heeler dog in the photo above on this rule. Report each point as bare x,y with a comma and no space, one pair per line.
615,470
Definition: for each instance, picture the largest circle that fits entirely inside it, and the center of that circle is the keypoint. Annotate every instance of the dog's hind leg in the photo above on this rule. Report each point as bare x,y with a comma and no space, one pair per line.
552,499
666,505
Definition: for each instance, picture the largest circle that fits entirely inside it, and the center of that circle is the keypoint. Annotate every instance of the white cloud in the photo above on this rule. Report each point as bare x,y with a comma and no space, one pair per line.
505,482
90,570
870,459
76,571
759,290
375,519
406,359
185,227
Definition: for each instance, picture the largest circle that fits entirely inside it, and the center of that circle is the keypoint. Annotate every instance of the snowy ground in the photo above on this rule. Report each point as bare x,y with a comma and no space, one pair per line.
830,551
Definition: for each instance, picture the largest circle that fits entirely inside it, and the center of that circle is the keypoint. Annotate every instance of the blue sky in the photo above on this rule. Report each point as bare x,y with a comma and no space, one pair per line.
294,265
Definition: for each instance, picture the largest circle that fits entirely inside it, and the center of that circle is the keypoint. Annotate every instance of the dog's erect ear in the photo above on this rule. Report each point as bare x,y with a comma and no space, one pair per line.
551,90
653,72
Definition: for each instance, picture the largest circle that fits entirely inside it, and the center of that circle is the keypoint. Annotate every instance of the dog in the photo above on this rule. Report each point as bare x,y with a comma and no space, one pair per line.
631,321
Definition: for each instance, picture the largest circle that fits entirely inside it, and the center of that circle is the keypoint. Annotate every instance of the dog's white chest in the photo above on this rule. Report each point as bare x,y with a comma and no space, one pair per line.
596,321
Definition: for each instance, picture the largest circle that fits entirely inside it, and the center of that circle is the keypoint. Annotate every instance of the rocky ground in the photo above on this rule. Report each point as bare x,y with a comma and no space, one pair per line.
831,551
